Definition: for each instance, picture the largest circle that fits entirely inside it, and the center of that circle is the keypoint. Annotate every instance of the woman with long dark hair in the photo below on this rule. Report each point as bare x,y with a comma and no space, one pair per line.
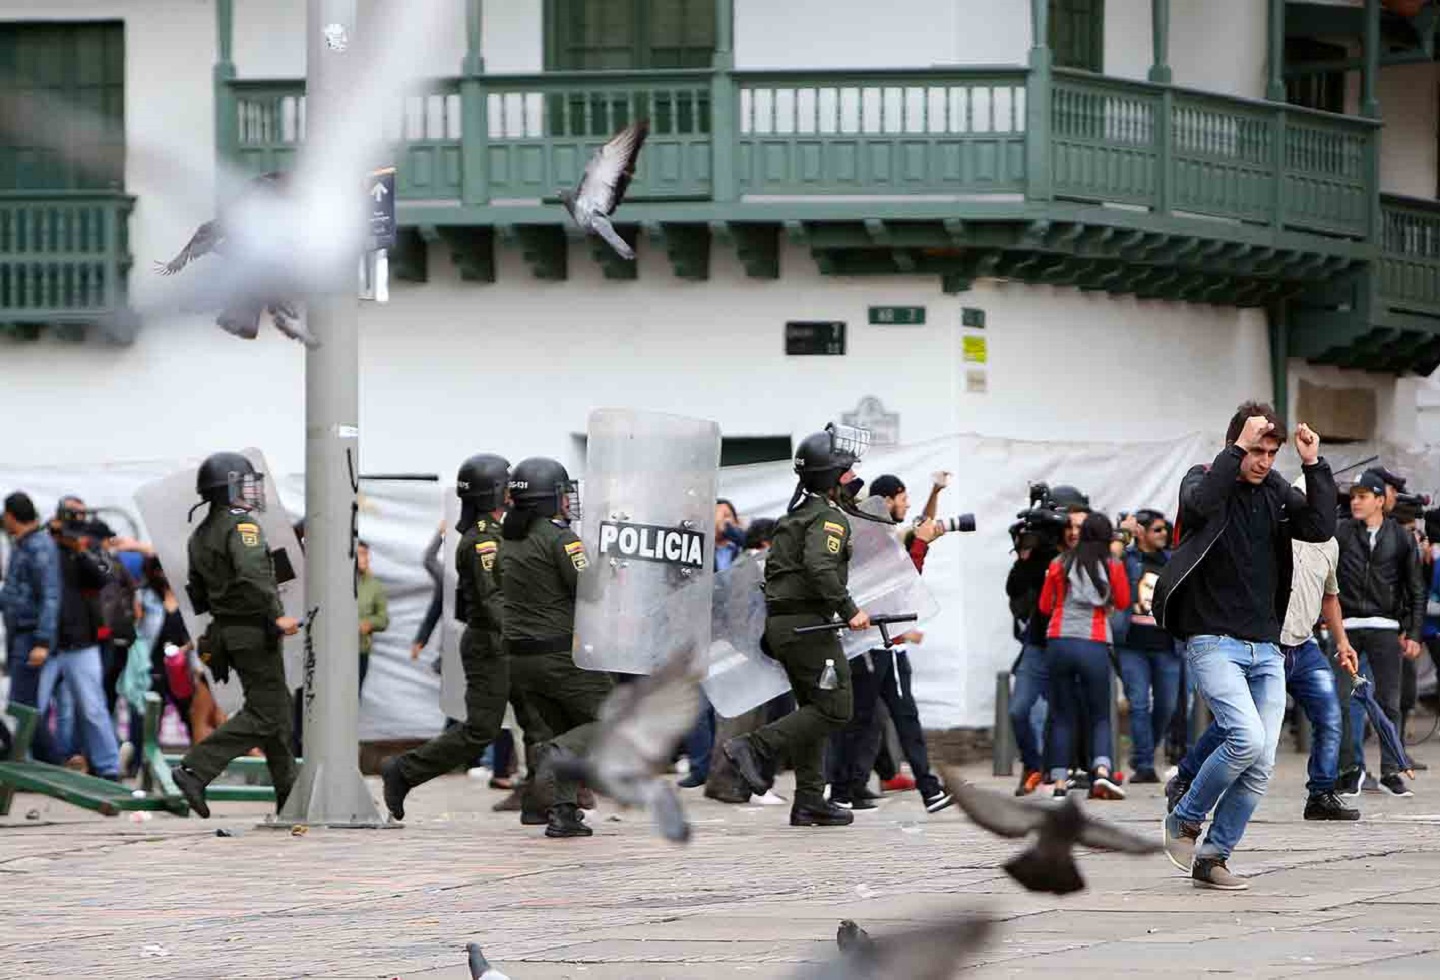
1081,588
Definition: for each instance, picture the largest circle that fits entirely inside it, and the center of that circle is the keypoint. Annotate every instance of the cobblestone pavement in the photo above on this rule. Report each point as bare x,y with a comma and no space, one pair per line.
86,896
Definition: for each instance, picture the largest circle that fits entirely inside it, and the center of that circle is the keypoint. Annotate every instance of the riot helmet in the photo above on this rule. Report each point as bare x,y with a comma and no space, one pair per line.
1066,497
824,457
481,481
231,479
540,484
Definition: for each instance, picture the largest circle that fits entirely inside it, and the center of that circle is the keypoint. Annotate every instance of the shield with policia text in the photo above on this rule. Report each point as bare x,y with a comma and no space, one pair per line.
166,507
648,532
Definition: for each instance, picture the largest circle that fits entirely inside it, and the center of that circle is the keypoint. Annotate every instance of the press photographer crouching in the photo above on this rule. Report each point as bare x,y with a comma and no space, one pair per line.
1050,526
882,674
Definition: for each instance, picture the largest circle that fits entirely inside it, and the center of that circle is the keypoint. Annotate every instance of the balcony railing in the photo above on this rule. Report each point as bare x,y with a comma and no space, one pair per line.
1409,266
63,256
945,131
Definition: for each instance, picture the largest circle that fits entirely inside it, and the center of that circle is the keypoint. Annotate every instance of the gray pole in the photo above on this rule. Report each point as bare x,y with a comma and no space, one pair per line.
329,790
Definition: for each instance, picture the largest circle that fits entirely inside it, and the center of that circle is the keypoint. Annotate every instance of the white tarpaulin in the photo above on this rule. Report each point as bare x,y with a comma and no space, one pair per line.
965,644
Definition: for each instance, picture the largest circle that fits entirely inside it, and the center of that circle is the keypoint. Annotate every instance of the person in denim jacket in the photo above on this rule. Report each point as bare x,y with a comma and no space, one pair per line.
29,598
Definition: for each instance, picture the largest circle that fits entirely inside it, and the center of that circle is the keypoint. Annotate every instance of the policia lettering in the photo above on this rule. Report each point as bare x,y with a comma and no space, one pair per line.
647,542
232,574
481,486
539,572
806,576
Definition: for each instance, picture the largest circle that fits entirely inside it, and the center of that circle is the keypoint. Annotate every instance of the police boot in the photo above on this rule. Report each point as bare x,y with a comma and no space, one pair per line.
753,767
192,787
567,821
818,812
395,788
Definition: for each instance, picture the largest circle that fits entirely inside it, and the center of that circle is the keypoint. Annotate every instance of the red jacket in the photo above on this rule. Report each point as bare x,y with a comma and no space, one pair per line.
1074,621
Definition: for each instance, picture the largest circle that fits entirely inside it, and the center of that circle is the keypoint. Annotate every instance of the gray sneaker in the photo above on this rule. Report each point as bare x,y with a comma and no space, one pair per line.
1180,838
1212,873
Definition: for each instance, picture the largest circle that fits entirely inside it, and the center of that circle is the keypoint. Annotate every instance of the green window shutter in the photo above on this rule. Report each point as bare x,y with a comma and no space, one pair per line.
1077,34
591,35
80,64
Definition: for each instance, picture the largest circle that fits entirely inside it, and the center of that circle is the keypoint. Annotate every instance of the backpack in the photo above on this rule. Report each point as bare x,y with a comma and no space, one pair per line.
117,606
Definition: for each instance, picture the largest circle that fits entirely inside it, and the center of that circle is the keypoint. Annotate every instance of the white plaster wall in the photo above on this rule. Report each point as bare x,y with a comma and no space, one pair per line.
524,362
1409,103
1397,400
865,34
1215,45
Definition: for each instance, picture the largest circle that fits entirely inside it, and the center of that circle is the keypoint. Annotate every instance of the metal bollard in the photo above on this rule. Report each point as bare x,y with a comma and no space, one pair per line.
1003,748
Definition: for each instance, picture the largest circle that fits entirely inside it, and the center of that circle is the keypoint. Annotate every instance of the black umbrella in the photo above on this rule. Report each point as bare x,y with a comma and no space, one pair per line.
1390,739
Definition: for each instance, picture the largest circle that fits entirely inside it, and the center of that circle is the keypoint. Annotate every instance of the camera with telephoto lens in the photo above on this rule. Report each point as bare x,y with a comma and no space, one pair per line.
1410,507
963,523
1043,523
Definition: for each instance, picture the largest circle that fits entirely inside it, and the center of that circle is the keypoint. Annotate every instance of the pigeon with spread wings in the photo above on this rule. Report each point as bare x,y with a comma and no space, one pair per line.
1047,865
934,951
639,728
602,186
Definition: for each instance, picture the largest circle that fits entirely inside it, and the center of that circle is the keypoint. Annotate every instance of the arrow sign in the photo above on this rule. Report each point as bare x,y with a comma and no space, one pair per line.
382,209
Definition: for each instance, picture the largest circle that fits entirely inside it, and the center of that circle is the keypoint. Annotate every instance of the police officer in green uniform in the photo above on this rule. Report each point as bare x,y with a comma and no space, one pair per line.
480,485
540,569
805,585
232,578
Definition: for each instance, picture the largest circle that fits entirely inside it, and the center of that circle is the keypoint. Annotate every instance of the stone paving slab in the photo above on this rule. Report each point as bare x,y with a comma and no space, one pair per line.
87,896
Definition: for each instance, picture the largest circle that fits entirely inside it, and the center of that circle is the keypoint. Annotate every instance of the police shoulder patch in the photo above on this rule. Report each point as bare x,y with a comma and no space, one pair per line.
486,546
832,544
480,525
833,528
576,551
249,534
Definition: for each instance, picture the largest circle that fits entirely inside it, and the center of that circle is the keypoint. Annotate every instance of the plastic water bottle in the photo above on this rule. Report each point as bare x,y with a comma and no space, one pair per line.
829,681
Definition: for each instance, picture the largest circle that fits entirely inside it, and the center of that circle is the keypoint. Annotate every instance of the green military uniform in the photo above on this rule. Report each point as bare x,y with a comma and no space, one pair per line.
540,573
806,575
487,671
230,568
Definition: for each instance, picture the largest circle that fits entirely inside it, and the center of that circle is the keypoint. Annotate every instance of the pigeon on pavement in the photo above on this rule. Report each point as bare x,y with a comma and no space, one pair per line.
639,727
602,186
1048,865
935,951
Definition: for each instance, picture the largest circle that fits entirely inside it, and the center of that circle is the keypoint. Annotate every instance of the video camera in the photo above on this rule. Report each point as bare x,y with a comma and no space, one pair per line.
1410,507
1043,522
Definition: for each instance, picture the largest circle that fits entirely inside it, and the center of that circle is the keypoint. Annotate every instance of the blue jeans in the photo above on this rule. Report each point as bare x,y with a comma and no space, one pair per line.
700,741
1148,673
1081,667
83,674
1032,686
1244,683
1311,682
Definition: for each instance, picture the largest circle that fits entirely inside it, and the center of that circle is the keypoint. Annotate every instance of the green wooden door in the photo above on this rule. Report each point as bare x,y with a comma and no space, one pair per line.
1077,33
81,64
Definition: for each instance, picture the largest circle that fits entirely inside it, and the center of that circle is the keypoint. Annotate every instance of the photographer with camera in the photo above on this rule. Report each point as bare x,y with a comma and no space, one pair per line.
76,659
1149,665
885,674
1050,526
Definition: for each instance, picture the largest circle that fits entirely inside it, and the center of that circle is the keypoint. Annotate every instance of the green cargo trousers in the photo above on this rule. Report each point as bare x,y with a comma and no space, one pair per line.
263,721
487,688
801,735
567,701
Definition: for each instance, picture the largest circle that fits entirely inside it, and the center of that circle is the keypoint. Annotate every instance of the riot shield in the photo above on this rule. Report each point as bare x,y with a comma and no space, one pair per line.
165,507
883,581
739,675
650,485
452,672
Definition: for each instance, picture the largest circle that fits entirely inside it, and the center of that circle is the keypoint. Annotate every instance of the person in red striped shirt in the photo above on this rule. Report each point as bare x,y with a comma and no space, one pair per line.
1082,587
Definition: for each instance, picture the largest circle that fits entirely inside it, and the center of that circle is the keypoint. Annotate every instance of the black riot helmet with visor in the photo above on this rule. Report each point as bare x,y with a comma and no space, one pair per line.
482,481
824,459
542,486
232,480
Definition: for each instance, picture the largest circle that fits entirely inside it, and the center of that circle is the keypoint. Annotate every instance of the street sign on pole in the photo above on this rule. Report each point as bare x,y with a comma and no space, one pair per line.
329,790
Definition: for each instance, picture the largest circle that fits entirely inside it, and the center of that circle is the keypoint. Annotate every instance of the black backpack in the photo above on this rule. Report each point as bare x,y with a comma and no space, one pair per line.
117,605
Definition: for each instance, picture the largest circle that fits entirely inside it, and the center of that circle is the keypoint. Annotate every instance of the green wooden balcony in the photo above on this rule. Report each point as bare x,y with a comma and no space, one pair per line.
64,258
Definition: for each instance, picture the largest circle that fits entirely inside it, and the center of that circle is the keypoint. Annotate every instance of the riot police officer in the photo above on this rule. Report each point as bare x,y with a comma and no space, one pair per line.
480,485
232,577
805,585
540,567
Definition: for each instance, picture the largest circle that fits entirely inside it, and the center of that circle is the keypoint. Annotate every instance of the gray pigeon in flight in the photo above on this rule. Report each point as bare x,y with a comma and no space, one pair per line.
602,186
639,727
936,951
1048,865
480,968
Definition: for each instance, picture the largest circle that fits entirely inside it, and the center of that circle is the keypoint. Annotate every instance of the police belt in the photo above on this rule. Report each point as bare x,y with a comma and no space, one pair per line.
544,644
798,607
261,620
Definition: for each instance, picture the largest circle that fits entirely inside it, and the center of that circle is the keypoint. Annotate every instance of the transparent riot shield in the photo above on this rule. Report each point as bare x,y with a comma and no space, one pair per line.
649,511
452,672
740,676
165,507
883,581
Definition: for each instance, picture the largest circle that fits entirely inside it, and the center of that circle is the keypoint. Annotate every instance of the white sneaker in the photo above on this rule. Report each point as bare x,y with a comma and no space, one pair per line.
771,798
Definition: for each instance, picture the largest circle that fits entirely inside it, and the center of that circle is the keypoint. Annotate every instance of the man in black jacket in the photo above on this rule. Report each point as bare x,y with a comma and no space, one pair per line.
1225,593
1382,596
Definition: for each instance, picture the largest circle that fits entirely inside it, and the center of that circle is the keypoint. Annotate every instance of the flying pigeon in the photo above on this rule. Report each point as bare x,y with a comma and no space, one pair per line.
851,938
480,968
602,186
639,727
1048,865
931,952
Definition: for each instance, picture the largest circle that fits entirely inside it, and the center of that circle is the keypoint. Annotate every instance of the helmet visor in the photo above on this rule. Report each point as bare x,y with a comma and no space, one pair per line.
569,493
849,440
248,490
